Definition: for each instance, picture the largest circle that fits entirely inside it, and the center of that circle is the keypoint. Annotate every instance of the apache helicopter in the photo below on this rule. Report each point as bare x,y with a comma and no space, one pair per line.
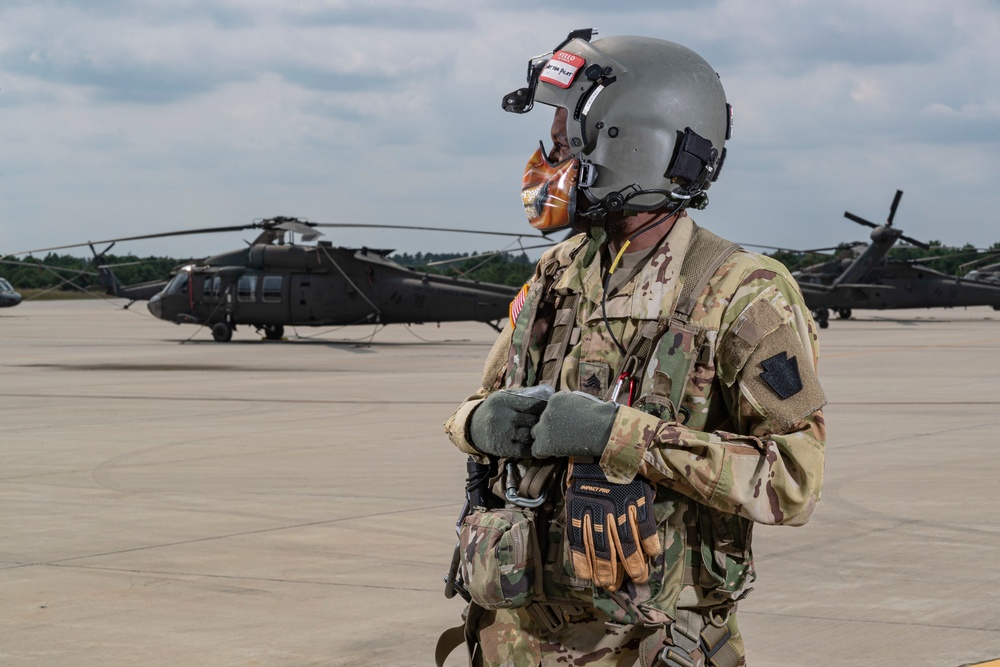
870,280
9,297
274,283
989,273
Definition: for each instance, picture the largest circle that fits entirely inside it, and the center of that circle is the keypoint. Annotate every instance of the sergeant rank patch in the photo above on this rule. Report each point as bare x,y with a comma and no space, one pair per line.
781,374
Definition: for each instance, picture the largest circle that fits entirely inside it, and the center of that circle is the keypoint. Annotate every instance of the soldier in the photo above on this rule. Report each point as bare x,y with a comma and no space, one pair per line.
653,395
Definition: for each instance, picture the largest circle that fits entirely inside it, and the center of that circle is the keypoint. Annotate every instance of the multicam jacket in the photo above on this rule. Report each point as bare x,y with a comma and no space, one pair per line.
726,415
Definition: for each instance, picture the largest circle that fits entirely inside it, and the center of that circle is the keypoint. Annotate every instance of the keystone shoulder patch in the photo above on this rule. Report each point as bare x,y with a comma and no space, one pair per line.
781,373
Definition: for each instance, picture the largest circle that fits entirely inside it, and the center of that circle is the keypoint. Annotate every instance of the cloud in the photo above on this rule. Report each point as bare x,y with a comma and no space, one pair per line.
158,112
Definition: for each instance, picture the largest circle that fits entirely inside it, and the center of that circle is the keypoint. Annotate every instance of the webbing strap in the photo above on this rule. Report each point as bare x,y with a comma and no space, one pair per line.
555,351
727,656
449,640
704,256
691,641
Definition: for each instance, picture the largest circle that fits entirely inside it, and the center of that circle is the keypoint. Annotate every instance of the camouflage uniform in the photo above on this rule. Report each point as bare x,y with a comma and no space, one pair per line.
719,425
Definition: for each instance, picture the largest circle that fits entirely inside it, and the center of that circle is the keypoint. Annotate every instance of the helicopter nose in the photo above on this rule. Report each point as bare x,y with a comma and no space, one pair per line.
155,306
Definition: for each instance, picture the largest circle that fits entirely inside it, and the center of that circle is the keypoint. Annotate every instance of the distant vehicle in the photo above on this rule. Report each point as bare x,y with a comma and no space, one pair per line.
985,274
273,283
9,297
871,281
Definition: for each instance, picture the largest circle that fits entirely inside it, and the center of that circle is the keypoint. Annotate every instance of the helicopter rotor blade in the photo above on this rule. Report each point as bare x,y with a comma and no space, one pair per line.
892,209
796,251
75,272
207,230
858,219
426,229
993,254
485,254
912,241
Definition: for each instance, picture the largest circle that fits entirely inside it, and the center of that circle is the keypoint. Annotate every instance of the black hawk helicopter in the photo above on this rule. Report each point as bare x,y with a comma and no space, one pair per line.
870,280
9,297
274,283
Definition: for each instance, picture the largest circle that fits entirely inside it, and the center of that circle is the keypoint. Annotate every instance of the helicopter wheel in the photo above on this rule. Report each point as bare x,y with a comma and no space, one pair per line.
274,331
822,317
844,313
222,332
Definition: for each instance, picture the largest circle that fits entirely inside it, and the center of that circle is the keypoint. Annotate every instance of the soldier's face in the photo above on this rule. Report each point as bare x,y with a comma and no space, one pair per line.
560,142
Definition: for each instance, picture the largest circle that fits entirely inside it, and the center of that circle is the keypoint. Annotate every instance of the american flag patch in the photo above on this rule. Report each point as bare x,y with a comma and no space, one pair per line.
517,304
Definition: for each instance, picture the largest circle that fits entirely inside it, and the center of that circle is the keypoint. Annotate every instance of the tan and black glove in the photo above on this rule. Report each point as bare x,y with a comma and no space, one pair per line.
610,527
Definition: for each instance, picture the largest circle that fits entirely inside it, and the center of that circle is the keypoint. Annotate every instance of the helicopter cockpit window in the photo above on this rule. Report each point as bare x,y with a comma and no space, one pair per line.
5,286
271,288
246,289
178,284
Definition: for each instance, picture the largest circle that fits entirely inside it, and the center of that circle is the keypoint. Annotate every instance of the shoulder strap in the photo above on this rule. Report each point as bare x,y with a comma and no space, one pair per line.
704,256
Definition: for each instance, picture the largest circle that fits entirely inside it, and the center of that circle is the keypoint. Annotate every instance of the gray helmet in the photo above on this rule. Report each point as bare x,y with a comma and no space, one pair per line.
647,118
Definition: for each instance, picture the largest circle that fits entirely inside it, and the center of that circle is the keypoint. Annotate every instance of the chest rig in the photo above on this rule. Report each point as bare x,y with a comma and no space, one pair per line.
546,329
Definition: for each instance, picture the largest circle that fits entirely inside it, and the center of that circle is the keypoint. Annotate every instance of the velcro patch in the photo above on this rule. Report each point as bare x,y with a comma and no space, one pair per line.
757,321
785,390
781,373
561,69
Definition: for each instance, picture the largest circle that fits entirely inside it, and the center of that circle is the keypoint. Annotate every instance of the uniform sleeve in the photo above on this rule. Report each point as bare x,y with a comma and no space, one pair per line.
768,465
496,364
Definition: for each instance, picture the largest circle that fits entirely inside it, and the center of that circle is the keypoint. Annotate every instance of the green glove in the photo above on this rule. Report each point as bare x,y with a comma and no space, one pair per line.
573,424
501,424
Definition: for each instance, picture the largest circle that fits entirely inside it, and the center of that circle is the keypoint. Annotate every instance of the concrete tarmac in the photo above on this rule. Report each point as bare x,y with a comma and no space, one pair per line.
167,500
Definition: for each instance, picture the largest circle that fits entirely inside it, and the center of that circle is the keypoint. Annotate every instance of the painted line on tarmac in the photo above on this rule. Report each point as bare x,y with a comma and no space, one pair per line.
987,343
217,399
991,663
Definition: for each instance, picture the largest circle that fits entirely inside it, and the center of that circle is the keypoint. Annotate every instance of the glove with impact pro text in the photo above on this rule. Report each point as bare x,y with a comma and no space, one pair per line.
610,527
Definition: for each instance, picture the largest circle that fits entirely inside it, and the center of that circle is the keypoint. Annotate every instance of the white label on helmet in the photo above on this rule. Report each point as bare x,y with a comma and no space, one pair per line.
590,100
561,69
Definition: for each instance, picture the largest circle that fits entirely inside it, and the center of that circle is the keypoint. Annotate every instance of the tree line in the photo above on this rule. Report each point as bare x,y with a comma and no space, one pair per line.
68,272
71,273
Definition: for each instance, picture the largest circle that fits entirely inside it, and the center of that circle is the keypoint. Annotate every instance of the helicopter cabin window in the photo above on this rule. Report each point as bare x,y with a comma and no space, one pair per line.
271,288
246,289
212,286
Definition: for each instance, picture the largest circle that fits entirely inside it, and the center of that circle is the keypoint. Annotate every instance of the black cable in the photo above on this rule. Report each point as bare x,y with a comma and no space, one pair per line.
607,278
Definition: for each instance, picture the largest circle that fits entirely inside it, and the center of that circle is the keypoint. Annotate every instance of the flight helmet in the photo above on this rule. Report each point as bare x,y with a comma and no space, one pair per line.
647,123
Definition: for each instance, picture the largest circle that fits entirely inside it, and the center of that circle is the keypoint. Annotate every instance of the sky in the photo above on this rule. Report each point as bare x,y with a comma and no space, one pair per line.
129,117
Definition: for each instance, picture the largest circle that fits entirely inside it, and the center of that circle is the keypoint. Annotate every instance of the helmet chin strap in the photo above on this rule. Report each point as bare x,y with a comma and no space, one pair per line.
618,201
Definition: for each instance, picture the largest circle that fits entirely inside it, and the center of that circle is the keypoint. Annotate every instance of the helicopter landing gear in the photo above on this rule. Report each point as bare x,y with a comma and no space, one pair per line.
273,331
844,313
822,316
222,332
